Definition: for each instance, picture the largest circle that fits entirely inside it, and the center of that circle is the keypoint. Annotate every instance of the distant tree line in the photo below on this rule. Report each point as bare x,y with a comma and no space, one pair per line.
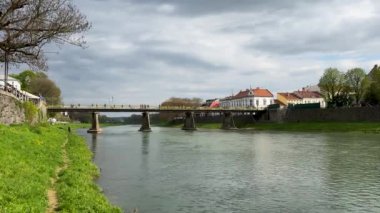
178,102
351,88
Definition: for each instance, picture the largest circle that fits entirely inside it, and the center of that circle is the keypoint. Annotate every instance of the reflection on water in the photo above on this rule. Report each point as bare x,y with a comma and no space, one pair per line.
169,170
93,144
145,143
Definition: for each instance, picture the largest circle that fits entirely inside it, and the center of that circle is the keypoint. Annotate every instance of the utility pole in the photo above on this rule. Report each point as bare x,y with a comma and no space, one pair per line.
6,62
6,70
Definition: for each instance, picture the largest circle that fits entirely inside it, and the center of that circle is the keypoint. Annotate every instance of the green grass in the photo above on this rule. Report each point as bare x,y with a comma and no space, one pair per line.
28,159
76,189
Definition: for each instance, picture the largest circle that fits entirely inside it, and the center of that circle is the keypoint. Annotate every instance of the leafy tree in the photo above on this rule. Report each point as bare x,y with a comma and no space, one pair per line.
47,89
38,83
356,83
332,84
25,78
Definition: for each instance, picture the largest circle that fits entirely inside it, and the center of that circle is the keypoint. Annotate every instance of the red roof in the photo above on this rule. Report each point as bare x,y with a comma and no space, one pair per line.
262,93
300,95
258,92
289,96
307,94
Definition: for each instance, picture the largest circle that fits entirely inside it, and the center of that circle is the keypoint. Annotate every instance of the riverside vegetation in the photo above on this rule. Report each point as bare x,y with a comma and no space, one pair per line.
29,157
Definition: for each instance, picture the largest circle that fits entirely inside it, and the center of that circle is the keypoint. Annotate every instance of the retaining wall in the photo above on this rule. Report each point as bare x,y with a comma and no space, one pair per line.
11,111
370,114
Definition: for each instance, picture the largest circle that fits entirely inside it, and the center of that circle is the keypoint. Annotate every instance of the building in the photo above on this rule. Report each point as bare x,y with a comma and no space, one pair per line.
14,87
255,98
11,81
287,98
301,97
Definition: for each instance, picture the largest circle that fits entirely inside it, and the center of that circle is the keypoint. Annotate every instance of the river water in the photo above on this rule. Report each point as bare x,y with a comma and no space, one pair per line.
170,170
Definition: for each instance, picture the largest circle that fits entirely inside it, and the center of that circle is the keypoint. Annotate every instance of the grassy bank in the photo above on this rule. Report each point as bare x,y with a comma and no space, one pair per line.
76,188
29,157
318,127
300,127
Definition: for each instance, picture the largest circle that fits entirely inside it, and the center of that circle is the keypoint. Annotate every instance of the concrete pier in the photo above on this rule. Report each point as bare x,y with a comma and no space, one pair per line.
145,125
95,128
228,121
189,122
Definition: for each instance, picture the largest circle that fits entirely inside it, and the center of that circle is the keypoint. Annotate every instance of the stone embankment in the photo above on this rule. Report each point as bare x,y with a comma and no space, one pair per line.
352,114
11,110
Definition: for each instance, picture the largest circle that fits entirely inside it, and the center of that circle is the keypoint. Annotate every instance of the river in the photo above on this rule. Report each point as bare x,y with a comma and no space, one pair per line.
170,170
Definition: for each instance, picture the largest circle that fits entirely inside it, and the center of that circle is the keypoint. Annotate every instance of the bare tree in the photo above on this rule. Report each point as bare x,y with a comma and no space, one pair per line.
26,26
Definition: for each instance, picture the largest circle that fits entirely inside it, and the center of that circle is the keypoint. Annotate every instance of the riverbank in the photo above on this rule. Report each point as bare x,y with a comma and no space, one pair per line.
29,158
370,127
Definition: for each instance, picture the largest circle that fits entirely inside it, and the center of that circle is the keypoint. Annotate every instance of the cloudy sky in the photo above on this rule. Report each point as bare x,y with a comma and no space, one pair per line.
145,51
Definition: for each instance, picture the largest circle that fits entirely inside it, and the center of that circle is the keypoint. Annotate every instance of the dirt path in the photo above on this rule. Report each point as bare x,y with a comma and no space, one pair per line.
52,193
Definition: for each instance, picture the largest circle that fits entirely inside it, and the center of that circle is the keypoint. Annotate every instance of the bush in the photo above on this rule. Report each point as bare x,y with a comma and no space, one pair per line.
31,112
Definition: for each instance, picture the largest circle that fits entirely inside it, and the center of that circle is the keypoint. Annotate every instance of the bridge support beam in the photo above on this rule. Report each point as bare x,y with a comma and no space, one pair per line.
228,121
145,125
189,121
95,128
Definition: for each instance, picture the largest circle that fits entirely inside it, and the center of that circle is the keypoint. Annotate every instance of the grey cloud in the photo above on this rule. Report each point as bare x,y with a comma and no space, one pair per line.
134,57
177,59
205,7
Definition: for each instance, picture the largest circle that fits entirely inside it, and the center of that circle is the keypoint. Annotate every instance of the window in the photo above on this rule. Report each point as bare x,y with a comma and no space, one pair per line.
257,102
265,102
251,102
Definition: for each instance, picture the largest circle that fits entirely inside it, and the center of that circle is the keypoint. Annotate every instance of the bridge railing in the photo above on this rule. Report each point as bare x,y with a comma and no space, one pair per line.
18,94
146,106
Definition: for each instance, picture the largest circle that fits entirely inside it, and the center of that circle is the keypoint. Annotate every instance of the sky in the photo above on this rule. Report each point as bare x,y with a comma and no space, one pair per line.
146,51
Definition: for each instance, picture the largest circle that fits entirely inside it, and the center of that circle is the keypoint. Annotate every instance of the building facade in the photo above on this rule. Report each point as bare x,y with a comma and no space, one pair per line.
11,81
252,98
301,97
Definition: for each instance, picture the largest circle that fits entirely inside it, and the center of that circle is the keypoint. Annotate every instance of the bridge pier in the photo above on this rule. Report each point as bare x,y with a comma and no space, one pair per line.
95,128
189,121
145,125
228,121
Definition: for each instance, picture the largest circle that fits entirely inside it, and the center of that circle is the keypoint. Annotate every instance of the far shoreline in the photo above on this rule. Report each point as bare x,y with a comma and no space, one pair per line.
364,127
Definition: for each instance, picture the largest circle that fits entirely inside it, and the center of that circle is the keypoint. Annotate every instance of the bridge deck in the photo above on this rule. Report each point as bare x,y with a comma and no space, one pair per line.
148,109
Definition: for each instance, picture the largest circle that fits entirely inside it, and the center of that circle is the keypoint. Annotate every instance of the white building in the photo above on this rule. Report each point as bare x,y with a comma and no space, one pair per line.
17,92
255,98
11,81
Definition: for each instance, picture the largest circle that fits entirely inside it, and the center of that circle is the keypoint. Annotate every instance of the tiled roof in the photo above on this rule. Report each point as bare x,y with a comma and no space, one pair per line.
258,92
242,94
289,96
307,94
262,93
279,102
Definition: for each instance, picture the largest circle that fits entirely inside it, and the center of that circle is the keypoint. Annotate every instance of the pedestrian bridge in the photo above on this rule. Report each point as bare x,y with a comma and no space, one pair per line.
189,120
